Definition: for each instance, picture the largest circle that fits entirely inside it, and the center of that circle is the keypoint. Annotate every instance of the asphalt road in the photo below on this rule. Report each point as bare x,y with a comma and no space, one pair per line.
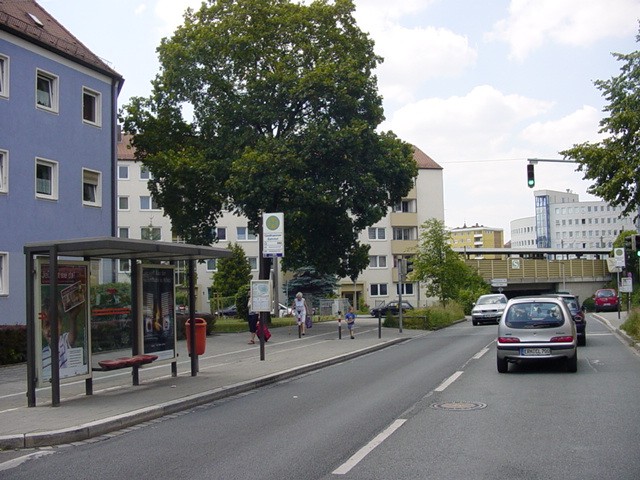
431,408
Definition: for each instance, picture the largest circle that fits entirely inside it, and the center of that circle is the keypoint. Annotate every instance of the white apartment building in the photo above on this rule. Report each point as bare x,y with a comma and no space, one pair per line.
562,221
395,235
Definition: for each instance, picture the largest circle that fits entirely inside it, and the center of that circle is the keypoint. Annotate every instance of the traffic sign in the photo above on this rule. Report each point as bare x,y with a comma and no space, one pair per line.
273,235
618,255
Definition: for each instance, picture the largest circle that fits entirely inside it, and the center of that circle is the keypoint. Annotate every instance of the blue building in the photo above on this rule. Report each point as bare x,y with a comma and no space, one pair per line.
58,106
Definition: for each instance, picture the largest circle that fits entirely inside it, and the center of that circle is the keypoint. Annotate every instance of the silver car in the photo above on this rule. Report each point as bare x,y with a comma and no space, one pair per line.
534,329
488,308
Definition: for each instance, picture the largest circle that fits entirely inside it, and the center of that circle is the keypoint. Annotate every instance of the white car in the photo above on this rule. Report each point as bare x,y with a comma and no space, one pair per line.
488,308
283,310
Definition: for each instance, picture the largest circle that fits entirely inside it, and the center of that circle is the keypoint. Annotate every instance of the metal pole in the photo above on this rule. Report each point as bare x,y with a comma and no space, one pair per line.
401,270
55,331
192,318
31,332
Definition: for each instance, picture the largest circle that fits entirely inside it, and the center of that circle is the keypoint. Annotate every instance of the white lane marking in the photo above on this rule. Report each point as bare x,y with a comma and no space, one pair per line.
478,355
364,451
16,462
448,381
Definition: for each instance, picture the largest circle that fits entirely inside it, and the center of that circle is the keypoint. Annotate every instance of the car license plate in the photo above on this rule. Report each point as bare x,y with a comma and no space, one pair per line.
535,352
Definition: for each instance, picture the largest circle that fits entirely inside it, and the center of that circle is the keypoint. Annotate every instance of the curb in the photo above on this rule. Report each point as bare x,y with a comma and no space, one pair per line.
125,420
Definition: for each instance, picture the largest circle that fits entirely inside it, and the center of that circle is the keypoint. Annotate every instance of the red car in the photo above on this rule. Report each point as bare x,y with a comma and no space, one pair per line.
606,299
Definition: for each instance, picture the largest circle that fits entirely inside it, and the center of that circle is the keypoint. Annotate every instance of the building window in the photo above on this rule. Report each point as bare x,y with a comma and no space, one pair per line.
145,174
4,76
123,203
253,262
4,171
46,91
148,203
150,233
403,233
405,206
212,265
124,266
4,273
243,233
378,289
123,172
91,187
46,179
91,107
123,232
377,261
376,233
221,233
407,288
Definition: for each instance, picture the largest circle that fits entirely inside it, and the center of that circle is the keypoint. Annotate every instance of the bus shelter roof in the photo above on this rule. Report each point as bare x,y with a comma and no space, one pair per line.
113,247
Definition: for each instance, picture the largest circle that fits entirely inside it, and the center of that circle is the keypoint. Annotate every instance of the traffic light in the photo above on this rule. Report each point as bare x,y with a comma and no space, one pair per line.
531,178
628,246
410,265
635,244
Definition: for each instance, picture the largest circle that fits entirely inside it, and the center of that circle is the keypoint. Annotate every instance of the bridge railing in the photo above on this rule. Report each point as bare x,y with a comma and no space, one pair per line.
528,269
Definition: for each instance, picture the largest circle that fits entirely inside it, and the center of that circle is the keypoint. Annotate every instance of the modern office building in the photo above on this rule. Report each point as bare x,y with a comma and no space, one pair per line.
58,104
561,220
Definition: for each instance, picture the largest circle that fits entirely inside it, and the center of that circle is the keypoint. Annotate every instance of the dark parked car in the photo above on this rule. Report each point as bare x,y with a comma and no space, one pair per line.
231,311
392,307
577,312
606,299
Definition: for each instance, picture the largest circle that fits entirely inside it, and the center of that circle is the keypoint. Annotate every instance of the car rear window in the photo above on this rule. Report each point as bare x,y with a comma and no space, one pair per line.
492,300
534,315
605,293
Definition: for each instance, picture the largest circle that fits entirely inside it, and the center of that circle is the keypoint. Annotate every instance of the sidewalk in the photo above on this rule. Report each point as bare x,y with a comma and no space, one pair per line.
228,367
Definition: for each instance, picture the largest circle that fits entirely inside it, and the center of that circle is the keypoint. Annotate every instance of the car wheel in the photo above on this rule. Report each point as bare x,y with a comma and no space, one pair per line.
582,340
572,363
503,365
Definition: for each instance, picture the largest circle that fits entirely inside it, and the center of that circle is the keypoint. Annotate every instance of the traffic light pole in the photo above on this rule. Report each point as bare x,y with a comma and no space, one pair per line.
531,177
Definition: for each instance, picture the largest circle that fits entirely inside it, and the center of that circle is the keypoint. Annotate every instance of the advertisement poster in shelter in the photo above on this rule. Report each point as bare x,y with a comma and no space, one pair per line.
72,299
158,311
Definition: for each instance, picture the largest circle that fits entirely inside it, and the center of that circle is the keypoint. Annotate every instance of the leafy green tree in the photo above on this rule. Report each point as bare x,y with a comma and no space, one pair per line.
446,275
232,273
614,163
285,115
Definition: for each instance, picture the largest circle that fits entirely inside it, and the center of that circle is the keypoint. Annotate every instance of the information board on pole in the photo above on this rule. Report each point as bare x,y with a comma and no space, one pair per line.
273,235
260,296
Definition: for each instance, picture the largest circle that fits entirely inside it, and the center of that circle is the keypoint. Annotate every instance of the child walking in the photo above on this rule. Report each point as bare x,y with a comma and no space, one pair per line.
350,317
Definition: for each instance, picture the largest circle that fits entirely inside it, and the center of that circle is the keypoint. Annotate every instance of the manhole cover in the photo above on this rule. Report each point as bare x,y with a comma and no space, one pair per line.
459,406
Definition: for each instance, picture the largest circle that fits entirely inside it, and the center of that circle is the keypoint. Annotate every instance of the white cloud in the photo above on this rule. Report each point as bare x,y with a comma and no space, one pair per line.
479,125
577,127
412,56
171,13
532,23
140,9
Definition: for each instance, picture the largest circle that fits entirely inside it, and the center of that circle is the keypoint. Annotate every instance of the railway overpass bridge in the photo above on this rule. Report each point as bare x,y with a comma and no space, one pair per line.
517,271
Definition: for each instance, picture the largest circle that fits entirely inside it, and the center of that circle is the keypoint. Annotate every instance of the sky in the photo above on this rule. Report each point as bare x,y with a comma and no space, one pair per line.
479,86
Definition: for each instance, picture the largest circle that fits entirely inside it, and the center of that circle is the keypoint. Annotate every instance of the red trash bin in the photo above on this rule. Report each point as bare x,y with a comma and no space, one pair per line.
201,335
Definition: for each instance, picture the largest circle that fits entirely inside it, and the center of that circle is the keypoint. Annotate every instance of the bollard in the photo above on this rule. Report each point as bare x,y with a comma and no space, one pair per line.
379,325
300,330
339,325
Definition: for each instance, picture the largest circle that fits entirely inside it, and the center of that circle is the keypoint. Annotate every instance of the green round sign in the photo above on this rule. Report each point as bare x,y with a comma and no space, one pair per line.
273,222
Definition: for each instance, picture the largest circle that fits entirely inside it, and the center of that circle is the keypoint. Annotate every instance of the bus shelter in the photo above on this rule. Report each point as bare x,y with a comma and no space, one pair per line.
57,284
